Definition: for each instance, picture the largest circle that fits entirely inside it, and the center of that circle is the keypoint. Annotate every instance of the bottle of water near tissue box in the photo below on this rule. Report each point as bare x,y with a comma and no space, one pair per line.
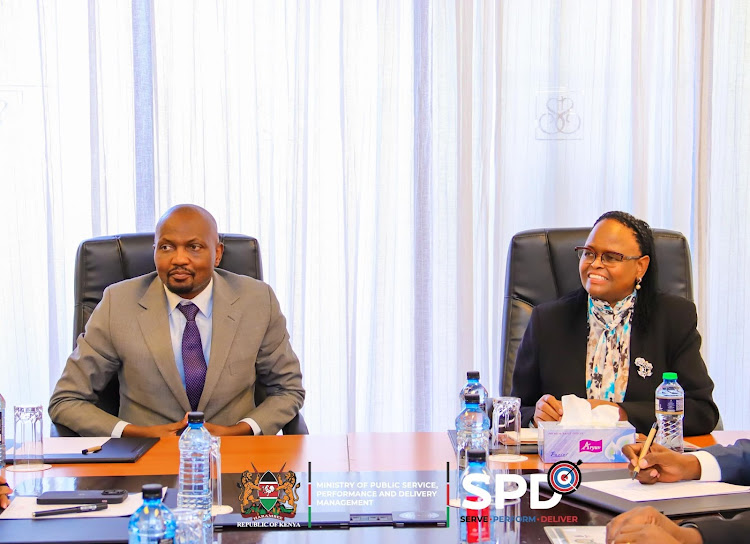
670,409
472,429
476,525
473,387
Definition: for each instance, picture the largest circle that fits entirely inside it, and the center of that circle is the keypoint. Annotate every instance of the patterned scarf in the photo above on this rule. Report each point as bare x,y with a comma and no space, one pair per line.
608,349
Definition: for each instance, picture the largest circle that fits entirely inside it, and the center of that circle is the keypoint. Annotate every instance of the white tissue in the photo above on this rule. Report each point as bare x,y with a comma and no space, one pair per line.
577,412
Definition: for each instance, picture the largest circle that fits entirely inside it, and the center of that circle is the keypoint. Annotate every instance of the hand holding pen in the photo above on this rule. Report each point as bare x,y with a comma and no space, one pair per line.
659,464
644,450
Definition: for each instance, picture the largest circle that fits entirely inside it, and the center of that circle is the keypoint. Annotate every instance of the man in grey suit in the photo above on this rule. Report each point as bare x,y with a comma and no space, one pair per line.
186,337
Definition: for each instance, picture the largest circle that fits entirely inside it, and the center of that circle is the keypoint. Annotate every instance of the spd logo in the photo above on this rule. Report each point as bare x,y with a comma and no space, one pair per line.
268,495
564,477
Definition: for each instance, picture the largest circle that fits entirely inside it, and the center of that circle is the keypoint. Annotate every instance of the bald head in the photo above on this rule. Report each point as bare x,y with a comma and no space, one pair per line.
186,249
185,210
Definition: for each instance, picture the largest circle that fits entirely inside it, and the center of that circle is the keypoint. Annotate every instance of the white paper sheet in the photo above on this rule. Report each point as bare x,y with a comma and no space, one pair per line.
528,435
59,445
633,490
571,535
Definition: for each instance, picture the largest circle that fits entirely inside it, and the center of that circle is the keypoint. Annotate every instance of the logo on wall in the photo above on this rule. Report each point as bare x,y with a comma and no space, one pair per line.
557,116
268,495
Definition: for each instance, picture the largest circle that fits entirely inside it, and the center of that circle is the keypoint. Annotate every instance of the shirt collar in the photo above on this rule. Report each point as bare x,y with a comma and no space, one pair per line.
204,299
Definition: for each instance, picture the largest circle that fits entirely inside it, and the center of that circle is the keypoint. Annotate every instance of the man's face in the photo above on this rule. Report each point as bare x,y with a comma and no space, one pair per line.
186,251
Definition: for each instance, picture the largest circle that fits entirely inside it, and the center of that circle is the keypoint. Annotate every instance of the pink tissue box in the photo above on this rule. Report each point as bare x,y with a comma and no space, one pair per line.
588,444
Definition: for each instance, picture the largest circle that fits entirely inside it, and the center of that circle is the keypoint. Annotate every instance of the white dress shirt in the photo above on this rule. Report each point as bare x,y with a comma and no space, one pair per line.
710,469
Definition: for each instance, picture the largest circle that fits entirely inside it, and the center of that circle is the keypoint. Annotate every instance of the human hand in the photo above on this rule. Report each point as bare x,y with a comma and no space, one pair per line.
240,429
662,464
646,525
4,492
155,431
547,408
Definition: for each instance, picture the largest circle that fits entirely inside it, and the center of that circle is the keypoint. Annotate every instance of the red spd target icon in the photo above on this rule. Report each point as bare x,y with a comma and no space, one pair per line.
564,477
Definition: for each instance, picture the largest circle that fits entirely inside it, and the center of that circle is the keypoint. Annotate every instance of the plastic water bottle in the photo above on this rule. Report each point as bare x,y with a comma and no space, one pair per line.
474,387
670,409
153,522
2,431
472,429
194,485
476,525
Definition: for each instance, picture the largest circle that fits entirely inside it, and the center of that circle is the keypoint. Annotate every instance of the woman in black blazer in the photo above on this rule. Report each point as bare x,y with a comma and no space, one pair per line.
611,341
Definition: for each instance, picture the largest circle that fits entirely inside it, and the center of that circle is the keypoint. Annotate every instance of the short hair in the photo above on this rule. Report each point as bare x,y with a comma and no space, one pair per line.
646,298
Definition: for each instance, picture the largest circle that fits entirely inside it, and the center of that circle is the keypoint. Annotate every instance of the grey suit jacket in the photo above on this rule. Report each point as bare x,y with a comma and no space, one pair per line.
128,335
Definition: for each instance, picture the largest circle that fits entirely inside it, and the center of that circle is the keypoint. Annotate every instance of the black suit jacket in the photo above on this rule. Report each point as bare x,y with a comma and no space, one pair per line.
552,359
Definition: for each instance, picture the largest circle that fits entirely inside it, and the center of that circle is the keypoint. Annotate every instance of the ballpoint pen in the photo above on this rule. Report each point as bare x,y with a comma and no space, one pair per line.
644,450
70,510
91,450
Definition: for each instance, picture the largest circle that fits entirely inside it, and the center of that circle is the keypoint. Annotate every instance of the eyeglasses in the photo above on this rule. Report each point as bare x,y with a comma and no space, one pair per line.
608,258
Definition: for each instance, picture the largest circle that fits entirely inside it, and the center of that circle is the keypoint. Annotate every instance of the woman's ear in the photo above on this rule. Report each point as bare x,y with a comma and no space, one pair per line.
641,266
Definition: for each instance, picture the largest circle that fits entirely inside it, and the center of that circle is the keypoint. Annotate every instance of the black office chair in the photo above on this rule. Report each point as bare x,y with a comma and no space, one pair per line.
103,261
542,267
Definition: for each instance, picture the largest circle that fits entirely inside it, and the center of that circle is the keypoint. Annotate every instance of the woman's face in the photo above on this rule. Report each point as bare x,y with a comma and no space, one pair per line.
613,282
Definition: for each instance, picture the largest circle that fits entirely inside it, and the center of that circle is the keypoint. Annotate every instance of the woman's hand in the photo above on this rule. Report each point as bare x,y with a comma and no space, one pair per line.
547,408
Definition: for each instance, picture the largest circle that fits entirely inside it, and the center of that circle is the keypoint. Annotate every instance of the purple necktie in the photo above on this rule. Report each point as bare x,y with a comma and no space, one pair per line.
193,360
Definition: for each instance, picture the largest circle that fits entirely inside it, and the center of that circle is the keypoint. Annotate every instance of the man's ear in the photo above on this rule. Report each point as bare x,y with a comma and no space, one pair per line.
219,254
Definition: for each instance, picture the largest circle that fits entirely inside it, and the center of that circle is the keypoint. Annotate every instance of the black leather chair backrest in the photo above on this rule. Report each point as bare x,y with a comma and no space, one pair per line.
105,260
542,267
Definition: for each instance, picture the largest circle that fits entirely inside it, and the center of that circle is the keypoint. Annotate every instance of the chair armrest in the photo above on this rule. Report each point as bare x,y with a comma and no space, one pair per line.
296,426
56,429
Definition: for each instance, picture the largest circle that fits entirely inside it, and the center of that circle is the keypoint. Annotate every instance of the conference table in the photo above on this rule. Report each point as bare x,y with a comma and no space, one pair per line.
380,456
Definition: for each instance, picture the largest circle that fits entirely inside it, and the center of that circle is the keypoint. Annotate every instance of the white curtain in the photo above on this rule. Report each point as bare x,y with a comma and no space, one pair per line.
383,153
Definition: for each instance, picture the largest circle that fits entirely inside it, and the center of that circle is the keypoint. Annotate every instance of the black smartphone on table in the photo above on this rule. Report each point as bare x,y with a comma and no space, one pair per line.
83,496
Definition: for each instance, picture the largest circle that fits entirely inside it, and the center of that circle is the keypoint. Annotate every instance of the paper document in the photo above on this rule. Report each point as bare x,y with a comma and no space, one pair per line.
633,490
571,535
62,445
22,507
528,435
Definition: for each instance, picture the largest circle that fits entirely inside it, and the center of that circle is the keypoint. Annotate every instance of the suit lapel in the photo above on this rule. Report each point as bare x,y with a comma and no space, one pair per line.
225,320
154,323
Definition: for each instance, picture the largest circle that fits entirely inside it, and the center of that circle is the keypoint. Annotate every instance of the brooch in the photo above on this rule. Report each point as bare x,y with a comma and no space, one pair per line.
644,367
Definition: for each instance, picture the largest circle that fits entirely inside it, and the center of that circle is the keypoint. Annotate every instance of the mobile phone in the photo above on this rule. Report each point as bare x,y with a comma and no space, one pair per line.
83,496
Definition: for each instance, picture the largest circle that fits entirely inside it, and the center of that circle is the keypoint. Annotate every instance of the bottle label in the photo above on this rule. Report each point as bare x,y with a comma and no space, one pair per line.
670,405
166,541
477,523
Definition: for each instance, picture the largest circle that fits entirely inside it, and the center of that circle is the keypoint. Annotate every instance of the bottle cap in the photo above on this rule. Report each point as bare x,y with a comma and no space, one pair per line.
151,491
195,417
472,375
669,376
478,456
471,398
